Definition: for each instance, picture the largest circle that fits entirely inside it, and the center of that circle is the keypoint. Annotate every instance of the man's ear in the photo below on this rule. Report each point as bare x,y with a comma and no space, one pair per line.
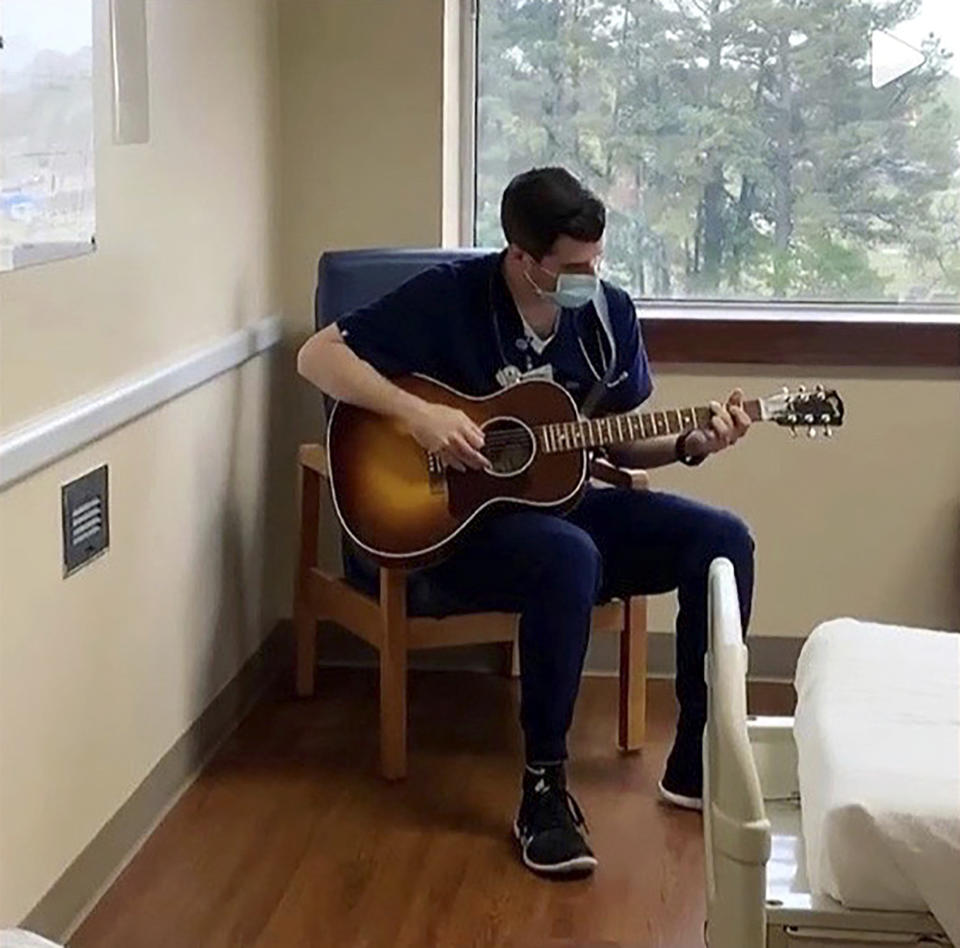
517,254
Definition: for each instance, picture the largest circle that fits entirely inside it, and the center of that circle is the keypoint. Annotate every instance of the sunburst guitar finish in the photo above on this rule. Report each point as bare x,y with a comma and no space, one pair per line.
401,506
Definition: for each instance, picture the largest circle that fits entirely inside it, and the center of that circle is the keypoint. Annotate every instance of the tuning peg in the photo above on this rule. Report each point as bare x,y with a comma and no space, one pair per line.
785,390
821,390
812,432
801,389
793,431
809,419
827,431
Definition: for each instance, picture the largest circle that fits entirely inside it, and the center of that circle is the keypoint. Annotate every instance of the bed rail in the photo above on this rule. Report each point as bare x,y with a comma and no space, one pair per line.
736,829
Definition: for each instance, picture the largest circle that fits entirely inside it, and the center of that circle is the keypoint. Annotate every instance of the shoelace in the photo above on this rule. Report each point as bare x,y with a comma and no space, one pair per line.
578,818
562,805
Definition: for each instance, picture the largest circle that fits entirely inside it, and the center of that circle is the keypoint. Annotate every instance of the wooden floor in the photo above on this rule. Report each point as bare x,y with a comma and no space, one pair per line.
289,838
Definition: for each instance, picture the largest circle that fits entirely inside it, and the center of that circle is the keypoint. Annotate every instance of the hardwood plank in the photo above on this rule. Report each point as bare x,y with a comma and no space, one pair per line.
290,839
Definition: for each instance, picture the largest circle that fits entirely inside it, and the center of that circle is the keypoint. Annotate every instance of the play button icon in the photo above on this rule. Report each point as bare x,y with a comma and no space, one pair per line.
891,58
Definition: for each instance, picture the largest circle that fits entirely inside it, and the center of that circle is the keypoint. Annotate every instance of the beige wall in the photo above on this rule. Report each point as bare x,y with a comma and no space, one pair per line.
102,672
362,91
361,84
867,525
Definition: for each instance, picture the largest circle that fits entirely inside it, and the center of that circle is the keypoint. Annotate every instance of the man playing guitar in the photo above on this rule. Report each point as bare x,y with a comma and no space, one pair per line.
538,309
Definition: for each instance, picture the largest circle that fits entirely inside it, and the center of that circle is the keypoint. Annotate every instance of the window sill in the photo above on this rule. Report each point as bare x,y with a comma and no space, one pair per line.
793,334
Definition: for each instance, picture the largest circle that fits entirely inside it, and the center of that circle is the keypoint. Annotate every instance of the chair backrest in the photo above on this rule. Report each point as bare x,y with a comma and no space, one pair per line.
348,279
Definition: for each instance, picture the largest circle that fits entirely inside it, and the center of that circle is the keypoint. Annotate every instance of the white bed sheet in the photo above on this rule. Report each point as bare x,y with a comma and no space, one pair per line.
877,729
20,938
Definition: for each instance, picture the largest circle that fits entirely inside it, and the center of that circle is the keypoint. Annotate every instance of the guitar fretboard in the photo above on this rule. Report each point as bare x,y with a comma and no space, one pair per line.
633,426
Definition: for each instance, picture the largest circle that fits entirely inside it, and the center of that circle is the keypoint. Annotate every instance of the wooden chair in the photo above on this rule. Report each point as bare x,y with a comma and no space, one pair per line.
387,627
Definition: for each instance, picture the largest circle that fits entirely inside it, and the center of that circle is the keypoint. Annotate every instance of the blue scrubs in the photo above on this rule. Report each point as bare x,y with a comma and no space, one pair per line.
458,324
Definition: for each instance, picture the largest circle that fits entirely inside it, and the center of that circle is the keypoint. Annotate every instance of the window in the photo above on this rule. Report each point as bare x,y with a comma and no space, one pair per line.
748,151
46,130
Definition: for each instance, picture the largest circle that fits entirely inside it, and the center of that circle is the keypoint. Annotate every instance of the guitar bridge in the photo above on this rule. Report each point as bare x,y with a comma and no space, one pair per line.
436,473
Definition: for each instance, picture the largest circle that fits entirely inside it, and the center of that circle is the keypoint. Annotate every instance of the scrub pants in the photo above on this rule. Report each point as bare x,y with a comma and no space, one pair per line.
552,570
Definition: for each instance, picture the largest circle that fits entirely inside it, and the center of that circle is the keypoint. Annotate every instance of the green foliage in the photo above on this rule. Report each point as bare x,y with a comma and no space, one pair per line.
739,144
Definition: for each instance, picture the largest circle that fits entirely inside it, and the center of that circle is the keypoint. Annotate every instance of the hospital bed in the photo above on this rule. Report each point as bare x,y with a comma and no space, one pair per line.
758,893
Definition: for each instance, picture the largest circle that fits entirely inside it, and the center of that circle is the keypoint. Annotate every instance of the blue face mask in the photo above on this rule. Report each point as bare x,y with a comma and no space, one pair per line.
572,291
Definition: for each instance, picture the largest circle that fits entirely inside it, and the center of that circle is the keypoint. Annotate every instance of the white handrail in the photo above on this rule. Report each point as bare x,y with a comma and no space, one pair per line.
67,428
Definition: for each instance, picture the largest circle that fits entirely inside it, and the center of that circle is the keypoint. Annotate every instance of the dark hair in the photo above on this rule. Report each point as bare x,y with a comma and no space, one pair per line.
543,203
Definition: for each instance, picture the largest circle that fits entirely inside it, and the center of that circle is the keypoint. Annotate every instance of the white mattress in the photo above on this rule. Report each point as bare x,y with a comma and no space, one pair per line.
20,938
877,728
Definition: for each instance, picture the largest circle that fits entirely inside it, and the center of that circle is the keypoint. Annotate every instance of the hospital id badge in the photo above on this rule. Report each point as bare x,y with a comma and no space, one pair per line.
541,372
510,375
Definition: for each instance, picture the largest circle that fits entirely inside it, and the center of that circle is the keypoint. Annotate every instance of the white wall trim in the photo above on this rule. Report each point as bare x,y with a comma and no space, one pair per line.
51,436
465,105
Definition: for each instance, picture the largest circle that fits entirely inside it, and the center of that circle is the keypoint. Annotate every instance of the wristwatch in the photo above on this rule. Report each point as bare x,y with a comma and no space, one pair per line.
681,452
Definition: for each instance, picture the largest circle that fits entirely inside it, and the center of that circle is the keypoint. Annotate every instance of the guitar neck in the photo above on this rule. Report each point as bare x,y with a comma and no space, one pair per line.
632,426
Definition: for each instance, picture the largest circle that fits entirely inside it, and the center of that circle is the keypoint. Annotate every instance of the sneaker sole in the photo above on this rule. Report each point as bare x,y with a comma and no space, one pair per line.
679,800
570,867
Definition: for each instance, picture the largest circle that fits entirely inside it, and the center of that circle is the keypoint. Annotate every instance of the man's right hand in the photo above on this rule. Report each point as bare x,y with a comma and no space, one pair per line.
450,433
331,365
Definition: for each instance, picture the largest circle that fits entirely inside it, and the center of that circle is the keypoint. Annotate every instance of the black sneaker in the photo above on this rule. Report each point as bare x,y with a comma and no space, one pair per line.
682,783
550,825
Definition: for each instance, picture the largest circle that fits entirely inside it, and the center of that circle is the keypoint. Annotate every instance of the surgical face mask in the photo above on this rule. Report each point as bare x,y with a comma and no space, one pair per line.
572,291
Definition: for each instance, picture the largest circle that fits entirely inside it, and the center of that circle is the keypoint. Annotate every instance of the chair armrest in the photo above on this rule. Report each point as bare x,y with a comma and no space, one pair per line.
632,478
314,456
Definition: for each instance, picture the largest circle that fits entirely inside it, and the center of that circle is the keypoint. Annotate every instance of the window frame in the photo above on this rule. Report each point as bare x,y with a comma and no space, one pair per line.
724,331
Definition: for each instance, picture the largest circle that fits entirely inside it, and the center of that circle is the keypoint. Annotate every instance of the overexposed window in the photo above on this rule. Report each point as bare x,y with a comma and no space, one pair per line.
47,207
747,150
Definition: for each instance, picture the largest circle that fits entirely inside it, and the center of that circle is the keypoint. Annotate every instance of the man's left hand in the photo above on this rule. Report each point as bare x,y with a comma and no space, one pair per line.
727,426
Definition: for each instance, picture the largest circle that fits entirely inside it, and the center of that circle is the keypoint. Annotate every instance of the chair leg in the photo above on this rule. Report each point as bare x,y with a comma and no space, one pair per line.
507,650
305,622
393,674
306,631
633,676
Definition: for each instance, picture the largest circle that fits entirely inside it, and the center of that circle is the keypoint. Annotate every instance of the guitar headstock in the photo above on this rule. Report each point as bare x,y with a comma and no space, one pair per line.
817,409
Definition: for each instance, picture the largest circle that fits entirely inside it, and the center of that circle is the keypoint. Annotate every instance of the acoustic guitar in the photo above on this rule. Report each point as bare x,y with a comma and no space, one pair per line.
403,507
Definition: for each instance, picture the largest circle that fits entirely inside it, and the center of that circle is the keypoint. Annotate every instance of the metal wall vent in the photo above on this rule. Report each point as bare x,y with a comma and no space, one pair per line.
86,519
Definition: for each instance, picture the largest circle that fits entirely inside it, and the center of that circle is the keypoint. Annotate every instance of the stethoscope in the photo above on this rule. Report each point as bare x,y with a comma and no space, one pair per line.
509,374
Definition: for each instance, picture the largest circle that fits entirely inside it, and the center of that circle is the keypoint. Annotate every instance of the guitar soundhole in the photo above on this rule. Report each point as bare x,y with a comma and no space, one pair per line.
509,446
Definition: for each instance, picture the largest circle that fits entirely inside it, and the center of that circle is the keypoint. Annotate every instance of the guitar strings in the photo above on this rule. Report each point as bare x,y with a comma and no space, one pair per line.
520,437
516,436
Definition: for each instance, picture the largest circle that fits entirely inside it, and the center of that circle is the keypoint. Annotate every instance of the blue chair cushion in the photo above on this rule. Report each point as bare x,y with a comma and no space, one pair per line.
349,279
346,280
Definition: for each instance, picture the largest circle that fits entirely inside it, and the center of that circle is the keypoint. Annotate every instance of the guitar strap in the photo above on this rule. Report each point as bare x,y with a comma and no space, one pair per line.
600,385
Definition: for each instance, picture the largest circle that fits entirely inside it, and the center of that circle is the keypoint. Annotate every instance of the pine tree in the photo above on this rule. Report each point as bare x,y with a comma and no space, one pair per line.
739,144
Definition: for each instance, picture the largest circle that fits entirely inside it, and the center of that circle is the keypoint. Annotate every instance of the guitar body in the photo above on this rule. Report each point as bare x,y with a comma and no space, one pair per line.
403,509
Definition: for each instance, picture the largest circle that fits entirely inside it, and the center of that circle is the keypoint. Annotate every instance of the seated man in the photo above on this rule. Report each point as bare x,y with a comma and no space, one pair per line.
539,308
